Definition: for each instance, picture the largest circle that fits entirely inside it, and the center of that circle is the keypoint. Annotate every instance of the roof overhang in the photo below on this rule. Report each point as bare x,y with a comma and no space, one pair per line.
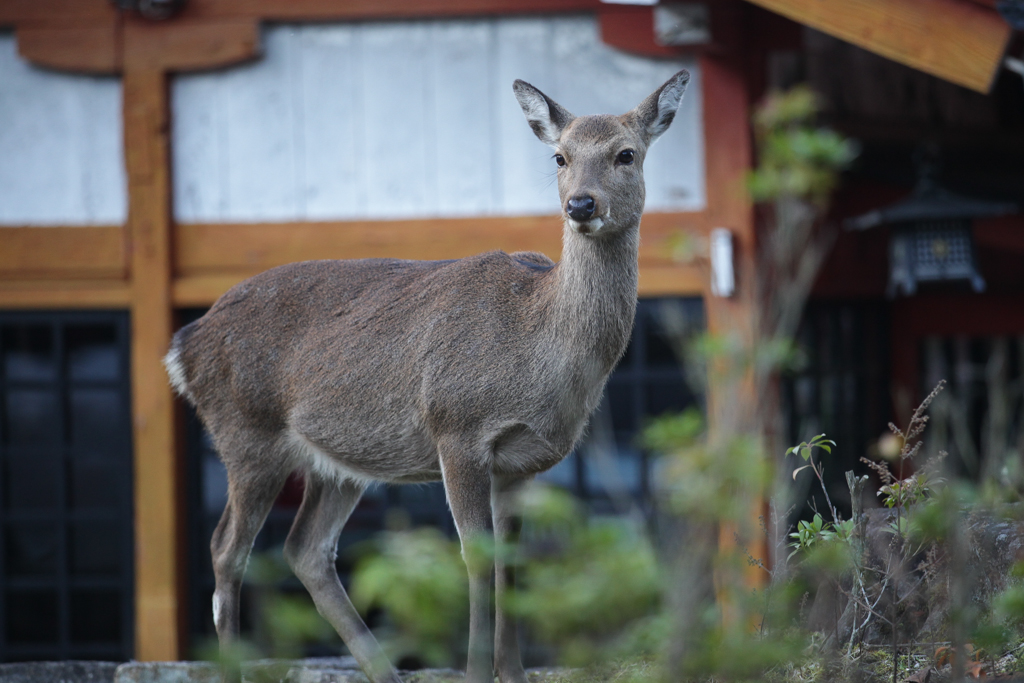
961,41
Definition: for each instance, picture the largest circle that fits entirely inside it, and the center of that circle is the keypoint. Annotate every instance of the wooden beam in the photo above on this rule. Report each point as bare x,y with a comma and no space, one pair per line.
210,258
960,41
90,262
158,562
54,293
177,45
672,280
70,12
63,253
182,45
13,12
217,249
332,10
77,48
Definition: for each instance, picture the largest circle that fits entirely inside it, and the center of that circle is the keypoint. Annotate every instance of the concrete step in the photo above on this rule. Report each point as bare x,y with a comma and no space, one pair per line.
58,672
314,670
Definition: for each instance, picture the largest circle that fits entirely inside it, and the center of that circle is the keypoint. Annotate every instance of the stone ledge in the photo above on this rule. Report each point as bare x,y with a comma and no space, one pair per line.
58,672
319,670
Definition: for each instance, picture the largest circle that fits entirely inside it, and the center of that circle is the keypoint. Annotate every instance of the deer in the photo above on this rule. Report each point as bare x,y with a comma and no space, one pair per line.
480,372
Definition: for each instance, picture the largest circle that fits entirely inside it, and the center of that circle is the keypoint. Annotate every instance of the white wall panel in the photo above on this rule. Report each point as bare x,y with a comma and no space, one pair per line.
462,155
333,148
61,158
410,119
398,119
525,170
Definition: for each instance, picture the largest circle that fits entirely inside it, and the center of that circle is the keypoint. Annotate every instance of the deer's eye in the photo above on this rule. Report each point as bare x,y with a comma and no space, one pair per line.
560,160
625,157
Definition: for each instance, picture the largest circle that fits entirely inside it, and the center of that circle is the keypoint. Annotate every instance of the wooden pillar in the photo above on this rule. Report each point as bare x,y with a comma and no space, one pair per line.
729,157
728,153
158,564
149,52
728,160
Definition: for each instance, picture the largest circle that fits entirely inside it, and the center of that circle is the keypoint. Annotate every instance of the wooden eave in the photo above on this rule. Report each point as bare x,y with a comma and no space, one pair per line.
961,41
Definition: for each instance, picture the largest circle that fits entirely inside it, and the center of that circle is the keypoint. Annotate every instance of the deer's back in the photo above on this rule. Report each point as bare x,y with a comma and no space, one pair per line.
371,360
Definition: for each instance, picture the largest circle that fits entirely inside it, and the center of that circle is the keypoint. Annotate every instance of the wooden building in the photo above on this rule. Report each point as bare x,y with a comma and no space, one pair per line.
148,165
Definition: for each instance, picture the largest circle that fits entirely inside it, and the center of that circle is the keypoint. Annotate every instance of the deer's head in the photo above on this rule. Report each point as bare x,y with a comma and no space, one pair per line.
600,159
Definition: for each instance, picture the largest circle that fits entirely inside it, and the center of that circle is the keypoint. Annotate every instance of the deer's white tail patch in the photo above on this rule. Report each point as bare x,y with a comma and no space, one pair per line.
176,372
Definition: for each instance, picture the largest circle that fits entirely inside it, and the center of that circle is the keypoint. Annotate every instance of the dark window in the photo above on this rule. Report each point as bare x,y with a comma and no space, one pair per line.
66,577
979,417
612,472
842,387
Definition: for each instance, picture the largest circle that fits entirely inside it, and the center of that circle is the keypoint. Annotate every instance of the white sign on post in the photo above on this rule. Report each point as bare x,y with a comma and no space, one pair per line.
723,280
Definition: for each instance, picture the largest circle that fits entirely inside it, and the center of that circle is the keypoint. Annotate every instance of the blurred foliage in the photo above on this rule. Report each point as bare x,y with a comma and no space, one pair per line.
817,531
669,433
287,625
591,587
699,480
1008,605
290,622
716,483
796,158
419,579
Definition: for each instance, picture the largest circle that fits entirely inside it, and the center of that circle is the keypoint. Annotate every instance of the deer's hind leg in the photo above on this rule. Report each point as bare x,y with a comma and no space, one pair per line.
252,490
311,550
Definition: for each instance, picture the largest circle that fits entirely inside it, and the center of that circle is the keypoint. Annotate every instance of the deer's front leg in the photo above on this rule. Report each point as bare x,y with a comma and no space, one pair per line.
467,483
507,523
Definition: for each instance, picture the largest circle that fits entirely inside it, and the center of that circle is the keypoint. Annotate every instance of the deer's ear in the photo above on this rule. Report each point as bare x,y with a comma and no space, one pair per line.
654,115
547,118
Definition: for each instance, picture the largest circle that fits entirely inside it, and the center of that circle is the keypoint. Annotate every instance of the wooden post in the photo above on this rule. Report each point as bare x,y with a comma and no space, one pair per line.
729,155
158,564
150,52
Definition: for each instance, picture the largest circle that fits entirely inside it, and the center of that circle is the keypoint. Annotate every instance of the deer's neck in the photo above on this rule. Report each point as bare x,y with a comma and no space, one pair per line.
595,294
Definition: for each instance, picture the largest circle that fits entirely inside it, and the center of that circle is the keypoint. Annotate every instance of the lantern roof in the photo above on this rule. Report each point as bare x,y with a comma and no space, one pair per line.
930,202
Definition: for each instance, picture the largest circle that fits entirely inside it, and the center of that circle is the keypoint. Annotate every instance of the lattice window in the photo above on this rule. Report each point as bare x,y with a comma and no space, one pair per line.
842,388
66,568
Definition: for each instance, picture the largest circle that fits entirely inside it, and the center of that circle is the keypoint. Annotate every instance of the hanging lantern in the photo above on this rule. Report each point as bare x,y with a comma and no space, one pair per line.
931,236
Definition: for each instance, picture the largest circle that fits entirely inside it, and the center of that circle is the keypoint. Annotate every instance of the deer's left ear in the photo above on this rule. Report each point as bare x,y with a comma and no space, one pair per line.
654,115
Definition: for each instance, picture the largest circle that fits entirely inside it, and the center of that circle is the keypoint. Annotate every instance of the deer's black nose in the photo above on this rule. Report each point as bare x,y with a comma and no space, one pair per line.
581,208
